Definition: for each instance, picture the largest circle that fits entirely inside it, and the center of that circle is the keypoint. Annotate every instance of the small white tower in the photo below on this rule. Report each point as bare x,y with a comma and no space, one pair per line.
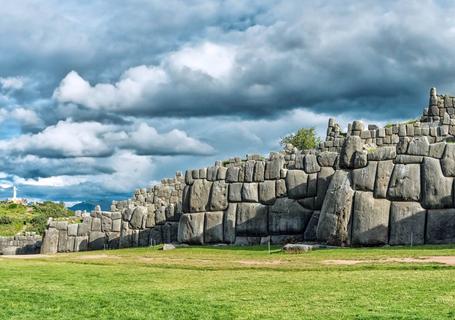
14,193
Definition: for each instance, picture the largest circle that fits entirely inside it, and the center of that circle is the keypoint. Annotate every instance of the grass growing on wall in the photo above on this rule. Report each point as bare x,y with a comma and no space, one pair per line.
229,283
16,218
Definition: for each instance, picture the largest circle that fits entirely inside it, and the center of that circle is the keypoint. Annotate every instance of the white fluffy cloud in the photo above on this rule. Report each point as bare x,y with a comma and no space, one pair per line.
12,83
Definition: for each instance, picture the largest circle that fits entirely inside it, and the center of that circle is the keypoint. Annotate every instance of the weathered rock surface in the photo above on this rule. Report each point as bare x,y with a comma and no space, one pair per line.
287,216
407,223
199,195
440,226
252,219
405,183
436,189
191,228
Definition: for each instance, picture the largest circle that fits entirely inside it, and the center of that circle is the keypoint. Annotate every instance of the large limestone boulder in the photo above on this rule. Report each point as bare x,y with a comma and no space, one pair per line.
267,192
448,160
363,179
250,192
310,164
251,219
405,183
213,232
384,173
311,228
440,226
336,210
287,216
191,228
350,152
96,240
199,195
259,171
138,216
437,189
249,171
296,184
371,220
327,158
419,146
323,181
229,221
219,195
235,192
273,168
407,223
50,241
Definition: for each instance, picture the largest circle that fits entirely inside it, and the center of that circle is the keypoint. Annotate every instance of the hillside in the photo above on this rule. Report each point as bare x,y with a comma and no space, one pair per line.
15,218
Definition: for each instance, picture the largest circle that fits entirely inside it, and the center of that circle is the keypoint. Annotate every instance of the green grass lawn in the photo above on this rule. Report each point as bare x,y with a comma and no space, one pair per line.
229,283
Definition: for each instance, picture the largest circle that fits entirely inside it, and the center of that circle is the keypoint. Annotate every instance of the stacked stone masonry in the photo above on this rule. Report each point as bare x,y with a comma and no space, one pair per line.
367,186
27,243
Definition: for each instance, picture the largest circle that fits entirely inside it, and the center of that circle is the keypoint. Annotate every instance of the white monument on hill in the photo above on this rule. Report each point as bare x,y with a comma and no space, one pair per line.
15,199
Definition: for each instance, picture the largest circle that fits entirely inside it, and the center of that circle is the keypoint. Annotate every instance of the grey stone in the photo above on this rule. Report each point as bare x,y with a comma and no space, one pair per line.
402,145
280,188
285,238
80,243
213,227
310,164
273,167
186,198
156,235
407,223
188,177
351,145
169,232
448,160
437,150
296,184
221,174
62,240
191,228
116,225
195,173
127,213
360,159
250,192
251,219
96,240
106,224
370,219
323,181
312,185
335,216
235,192
382,153
267,192
168,246
232,174
363,179
259,170
160,214
83,229
405,183
229,221
219,196
138,215
327,158
249,170
211,173
72,229
199,195
440,226
419,146
70,243
436,189
62,225
287,216
384,173
408,159
203,173
312,225
96,224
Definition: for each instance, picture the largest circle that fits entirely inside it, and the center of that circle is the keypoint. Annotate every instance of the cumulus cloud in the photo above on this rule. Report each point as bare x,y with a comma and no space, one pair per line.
12,83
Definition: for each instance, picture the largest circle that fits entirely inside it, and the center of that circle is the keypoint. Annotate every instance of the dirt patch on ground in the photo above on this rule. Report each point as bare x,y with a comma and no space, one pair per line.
26,256
259,262
447,260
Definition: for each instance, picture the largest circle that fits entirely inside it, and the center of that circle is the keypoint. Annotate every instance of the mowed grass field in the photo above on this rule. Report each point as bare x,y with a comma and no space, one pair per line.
231,283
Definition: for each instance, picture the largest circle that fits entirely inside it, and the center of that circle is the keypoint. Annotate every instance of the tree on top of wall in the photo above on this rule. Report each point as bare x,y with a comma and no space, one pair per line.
304,138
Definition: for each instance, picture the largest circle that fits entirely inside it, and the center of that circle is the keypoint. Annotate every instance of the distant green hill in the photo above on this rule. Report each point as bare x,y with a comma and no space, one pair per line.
15,218
90,205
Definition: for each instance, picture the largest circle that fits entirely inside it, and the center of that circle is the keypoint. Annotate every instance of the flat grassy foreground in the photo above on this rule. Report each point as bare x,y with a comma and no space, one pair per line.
231,283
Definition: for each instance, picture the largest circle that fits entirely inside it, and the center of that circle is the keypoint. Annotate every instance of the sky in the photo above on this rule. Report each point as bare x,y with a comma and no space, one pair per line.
98,98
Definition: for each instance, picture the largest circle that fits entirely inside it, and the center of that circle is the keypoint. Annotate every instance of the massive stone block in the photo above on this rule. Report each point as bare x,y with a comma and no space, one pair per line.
219,195
229,221
440,226
383,175
382,153
448,160
249,171
323,181
250,192
352,146
407,223
335,217
296,184
327,158
405,183
419,146
191,228
213,231
259,170
235,192
310,164
287,216
363,179
138,215
311,228
267,192
96,240
252,219
50,241
199,195
370,219
273,168
169,232
437,189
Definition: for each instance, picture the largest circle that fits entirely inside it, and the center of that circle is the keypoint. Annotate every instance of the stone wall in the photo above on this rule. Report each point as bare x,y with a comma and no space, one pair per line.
28,243
372,186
